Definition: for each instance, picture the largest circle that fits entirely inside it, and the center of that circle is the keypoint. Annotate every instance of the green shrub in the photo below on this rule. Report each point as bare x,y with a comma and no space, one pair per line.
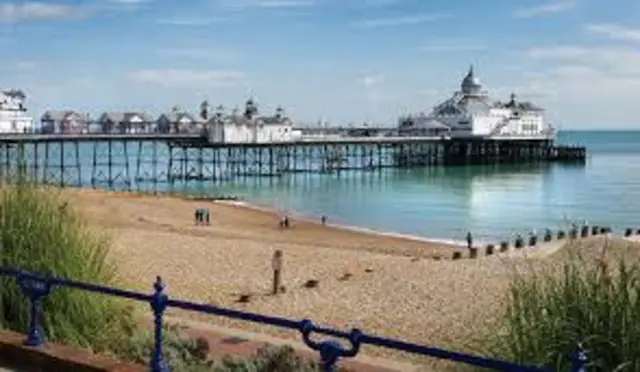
269,359
184,354
40,233
181,353
549,312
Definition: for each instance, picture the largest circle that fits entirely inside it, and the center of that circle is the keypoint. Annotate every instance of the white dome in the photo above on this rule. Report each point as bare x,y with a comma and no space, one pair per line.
470,83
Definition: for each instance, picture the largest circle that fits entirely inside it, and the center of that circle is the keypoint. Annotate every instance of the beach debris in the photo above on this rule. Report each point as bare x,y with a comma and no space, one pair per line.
276,265
457,255
244,298
435,257
345,276
311,283
368,270
490,249
504,246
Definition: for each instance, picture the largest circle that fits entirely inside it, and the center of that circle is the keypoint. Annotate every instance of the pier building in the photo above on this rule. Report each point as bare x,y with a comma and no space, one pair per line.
471,112
65,121
13,113
249,127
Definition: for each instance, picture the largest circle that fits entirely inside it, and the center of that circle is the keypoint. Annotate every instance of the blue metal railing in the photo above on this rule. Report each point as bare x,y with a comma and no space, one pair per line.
36,287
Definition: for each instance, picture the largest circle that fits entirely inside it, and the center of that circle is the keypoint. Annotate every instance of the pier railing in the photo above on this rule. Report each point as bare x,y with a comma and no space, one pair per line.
37,287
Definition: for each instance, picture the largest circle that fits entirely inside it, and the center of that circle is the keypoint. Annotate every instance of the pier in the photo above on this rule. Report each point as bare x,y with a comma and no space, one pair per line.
155,162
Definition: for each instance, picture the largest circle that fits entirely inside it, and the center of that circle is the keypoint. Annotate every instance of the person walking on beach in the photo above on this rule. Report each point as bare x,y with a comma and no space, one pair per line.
323,219
469,240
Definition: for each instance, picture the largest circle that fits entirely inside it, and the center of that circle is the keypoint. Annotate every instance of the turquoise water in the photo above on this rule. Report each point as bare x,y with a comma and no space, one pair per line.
492,202
444,203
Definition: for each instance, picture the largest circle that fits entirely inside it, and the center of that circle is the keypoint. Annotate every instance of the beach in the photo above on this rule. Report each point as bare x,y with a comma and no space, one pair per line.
389,286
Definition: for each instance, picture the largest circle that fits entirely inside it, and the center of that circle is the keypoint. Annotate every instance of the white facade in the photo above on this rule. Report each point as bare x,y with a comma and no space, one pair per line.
13,114
250,128
472,113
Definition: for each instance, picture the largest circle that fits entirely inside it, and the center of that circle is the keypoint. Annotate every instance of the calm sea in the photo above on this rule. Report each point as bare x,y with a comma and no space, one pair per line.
492,202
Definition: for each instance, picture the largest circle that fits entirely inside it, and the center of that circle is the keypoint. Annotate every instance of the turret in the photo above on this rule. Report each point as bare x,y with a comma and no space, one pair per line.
251,109
279,112
204,110
219,111
470,84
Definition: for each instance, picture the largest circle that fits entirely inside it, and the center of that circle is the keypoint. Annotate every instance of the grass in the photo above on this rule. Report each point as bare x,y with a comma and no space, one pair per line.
40,233
594,302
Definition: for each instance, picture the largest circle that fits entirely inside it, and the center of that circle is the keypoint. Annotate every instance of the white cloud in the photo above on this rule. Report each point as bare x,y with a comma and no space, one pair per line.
557,52
187,78
372,80
589,85
614,31
14,12
203,53
401,21
195,21
25,65
131,2
607,61
267,4
544,9
378,3
453,45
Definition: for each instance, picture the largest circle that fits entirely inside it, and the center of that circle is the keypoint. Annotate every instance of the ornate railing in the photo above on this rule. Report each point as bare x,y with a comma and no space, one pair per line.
36,287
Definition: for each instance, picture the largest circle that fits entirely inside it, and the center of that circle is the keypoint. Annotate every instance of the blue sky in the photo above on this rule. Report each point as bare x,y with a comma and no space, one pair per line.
341,60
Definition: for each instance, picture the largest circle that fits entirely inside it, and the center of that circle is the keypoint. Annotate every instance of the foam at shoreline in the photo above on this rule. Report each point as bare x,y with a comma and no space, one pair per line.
364,230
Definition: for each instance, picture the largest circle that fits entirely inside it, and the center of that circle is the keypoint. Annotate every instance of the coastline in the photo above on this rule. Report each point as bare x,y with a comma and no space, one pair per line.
306,218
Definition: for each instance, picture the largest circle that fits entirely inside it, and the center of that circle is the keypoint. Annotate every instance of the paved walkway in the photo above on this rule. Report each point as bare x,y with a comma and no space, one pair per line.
227,341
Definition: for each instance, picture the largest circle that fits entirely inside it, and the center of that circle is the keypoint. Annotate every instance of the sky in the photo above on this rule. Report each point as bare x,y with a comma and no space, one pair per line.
345,61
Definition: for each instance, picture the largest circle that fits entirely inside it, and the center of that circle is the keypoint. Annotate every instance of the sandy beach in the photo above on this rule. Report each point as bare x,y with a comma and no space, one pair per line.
385,285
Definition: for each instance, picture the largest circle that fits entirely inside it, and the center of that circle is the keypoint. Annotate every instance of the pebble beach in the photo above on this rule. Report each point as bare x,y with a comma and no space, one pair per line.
390,286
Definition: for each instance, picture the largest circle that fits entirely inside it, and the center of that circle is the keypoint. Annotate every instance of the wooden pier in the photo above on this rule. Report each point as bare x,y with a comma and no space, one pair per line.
149,161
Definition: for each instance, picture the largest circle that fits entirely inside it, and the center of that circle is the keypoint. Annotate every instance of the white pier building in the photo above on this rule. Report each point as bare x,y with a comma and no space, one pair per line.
249,127
471,112
13,113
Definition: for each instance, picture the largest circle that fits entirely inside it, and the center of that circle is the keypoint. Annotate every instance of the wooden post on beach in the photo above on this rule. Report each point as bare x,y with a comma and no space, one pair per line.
277,270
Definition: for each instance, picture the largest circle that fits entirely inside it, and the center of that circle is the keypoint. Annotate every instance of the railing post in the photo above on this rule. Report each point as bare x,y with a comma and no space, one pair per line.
158,305
579,359
35,288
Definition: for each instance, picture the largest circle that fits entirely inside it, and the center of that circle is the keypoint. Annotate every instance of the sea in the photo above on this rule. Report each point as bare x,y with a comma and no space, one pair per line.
494,203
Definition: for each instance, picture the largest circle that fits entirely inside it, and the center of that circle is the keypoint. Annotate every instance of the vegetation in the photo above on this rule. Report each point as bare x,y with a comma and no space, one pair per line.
188,355
595,302
39,233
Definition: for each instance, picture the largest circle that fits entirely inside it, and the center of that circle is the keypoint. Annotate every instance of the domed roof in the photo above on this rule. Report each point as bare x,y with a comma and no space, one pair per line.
470,83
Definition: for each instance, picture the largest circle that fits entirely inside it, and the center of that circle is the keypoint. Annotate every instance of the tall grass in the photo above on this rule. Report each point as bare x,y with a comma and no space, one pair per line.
595,302
39,232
